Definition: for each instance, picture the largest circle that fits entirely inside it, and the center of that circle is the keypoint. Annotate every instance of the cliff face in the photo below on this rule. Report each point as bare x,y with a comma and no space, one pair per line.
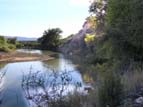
76,43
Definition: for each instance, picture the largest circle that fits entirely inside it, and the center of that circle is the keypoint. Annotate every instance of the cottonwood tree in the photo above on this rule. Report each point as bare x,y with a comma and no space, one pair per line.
50,39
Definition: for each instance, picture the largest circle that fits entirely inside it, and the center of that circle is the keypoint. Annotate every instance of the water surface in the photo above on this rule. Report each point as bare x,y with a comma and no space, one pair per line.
11,91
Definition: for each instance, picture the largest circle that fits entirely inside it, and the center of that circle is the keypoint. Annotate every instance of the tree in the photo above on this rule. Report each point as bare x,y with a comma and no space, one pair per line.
12,40
50,39
124,28
2,40
3,44
98,8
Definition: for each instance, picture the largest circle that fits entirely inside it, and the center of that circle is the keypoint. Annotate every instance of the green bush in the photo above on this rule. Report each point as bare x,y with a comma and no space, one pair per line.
124,28
2,40
5,46
110,93
11,46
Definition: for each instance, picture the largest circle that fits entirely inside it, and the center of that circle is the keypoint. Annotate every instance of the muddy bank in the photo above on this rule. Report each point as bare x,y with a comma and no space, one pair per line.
20,57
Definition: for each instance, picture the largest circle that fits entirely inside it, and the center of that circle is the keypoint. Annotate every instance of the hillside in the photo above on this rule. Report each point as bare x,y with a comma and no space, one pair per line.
76,42
18,38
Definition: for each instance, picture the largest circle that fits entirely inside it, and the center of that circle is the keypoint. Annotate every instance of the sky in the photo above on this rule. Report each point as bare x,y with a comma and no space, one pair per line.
30,18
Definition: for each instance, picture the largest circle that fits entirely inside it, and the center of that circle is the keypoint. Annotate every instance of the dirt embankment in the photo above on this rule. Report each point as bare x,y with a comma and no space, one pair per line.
20,57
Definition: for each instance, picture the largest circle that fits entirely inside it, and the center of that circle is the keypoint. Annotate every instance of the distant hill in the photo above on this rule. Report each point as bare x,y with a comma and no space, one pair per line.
25,39
22,38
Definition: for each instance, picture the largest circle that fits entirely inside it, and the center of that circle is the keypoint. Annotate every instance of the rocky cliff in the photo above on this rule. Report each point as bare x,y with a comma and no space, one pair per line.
76,43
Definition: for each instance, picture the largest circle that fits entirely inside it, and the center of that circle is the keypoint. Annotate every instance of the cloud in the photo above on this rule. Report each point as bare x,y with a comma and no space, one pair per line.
79,2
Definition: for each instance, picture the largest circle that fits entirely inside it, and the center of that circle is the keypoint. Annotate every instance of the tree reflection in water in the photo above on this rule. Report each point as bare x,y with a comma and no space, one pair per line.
2,74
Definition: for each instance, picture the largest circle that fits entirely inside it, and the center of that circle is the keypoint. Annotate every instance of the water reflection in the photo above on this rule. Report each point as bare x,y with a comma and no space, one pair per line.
2,65
13,95
53,64
30,51
2,81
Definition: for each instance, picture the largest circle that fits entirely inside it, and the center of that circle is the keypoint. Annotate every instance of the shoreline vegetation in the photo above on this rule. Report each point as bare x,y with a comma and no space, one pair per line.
108,52
8,46
20,57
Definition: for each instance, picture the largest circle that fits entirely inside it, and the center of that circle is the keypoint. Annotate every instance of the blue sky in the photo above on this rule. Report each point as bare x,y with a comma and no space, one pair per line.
30,18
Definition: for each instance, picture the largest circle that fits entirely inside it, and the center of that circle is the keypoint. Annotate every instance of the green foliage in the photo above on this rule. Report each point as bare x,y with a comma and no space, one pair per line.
89,38
98,7
50,39
11,47
92,20
12,41
133,81
19,45
5,46
122,46
2,40
110,92
28,44
124,22
119,49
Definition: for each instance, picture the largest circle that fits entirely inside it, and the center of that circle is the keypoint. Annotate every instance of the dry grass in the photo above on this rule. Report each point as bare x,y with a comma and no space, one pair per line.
133,80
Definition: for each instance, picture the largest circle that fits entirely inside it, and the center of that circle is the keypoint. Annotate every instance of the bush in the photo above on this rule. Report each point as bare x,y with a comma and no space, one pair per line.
124,28
11,46
110,93
2,40
4,48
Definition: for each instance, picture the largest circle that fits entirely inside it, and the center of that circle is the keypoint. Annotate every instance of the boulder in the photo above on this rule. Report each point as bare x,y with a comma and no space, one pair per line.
139,100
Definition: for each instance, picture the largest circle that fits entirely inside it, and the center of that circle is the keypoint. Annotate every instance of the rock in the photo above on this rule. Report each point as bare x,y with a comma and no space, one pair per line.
139,100
77,42
88,88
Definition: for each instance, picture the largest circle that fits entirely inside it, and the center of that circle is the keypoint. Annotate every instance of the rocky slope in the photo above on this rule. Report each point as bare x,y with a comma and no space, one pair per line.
76,43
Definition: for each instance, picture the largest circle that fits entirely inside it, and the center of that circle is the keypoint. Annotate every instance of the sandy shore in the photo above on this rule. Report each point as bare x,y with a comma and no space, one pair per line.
20,57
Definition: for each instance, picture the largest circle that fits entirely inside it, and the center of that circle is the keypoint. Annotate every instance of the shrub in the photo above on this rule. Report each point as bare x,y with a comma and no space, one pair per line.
110,93
11,46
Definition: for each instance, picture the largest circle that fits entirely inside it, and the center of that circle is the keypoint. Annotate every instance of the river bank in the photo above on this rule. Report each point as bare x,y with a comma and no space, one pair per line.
20,57
38,73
